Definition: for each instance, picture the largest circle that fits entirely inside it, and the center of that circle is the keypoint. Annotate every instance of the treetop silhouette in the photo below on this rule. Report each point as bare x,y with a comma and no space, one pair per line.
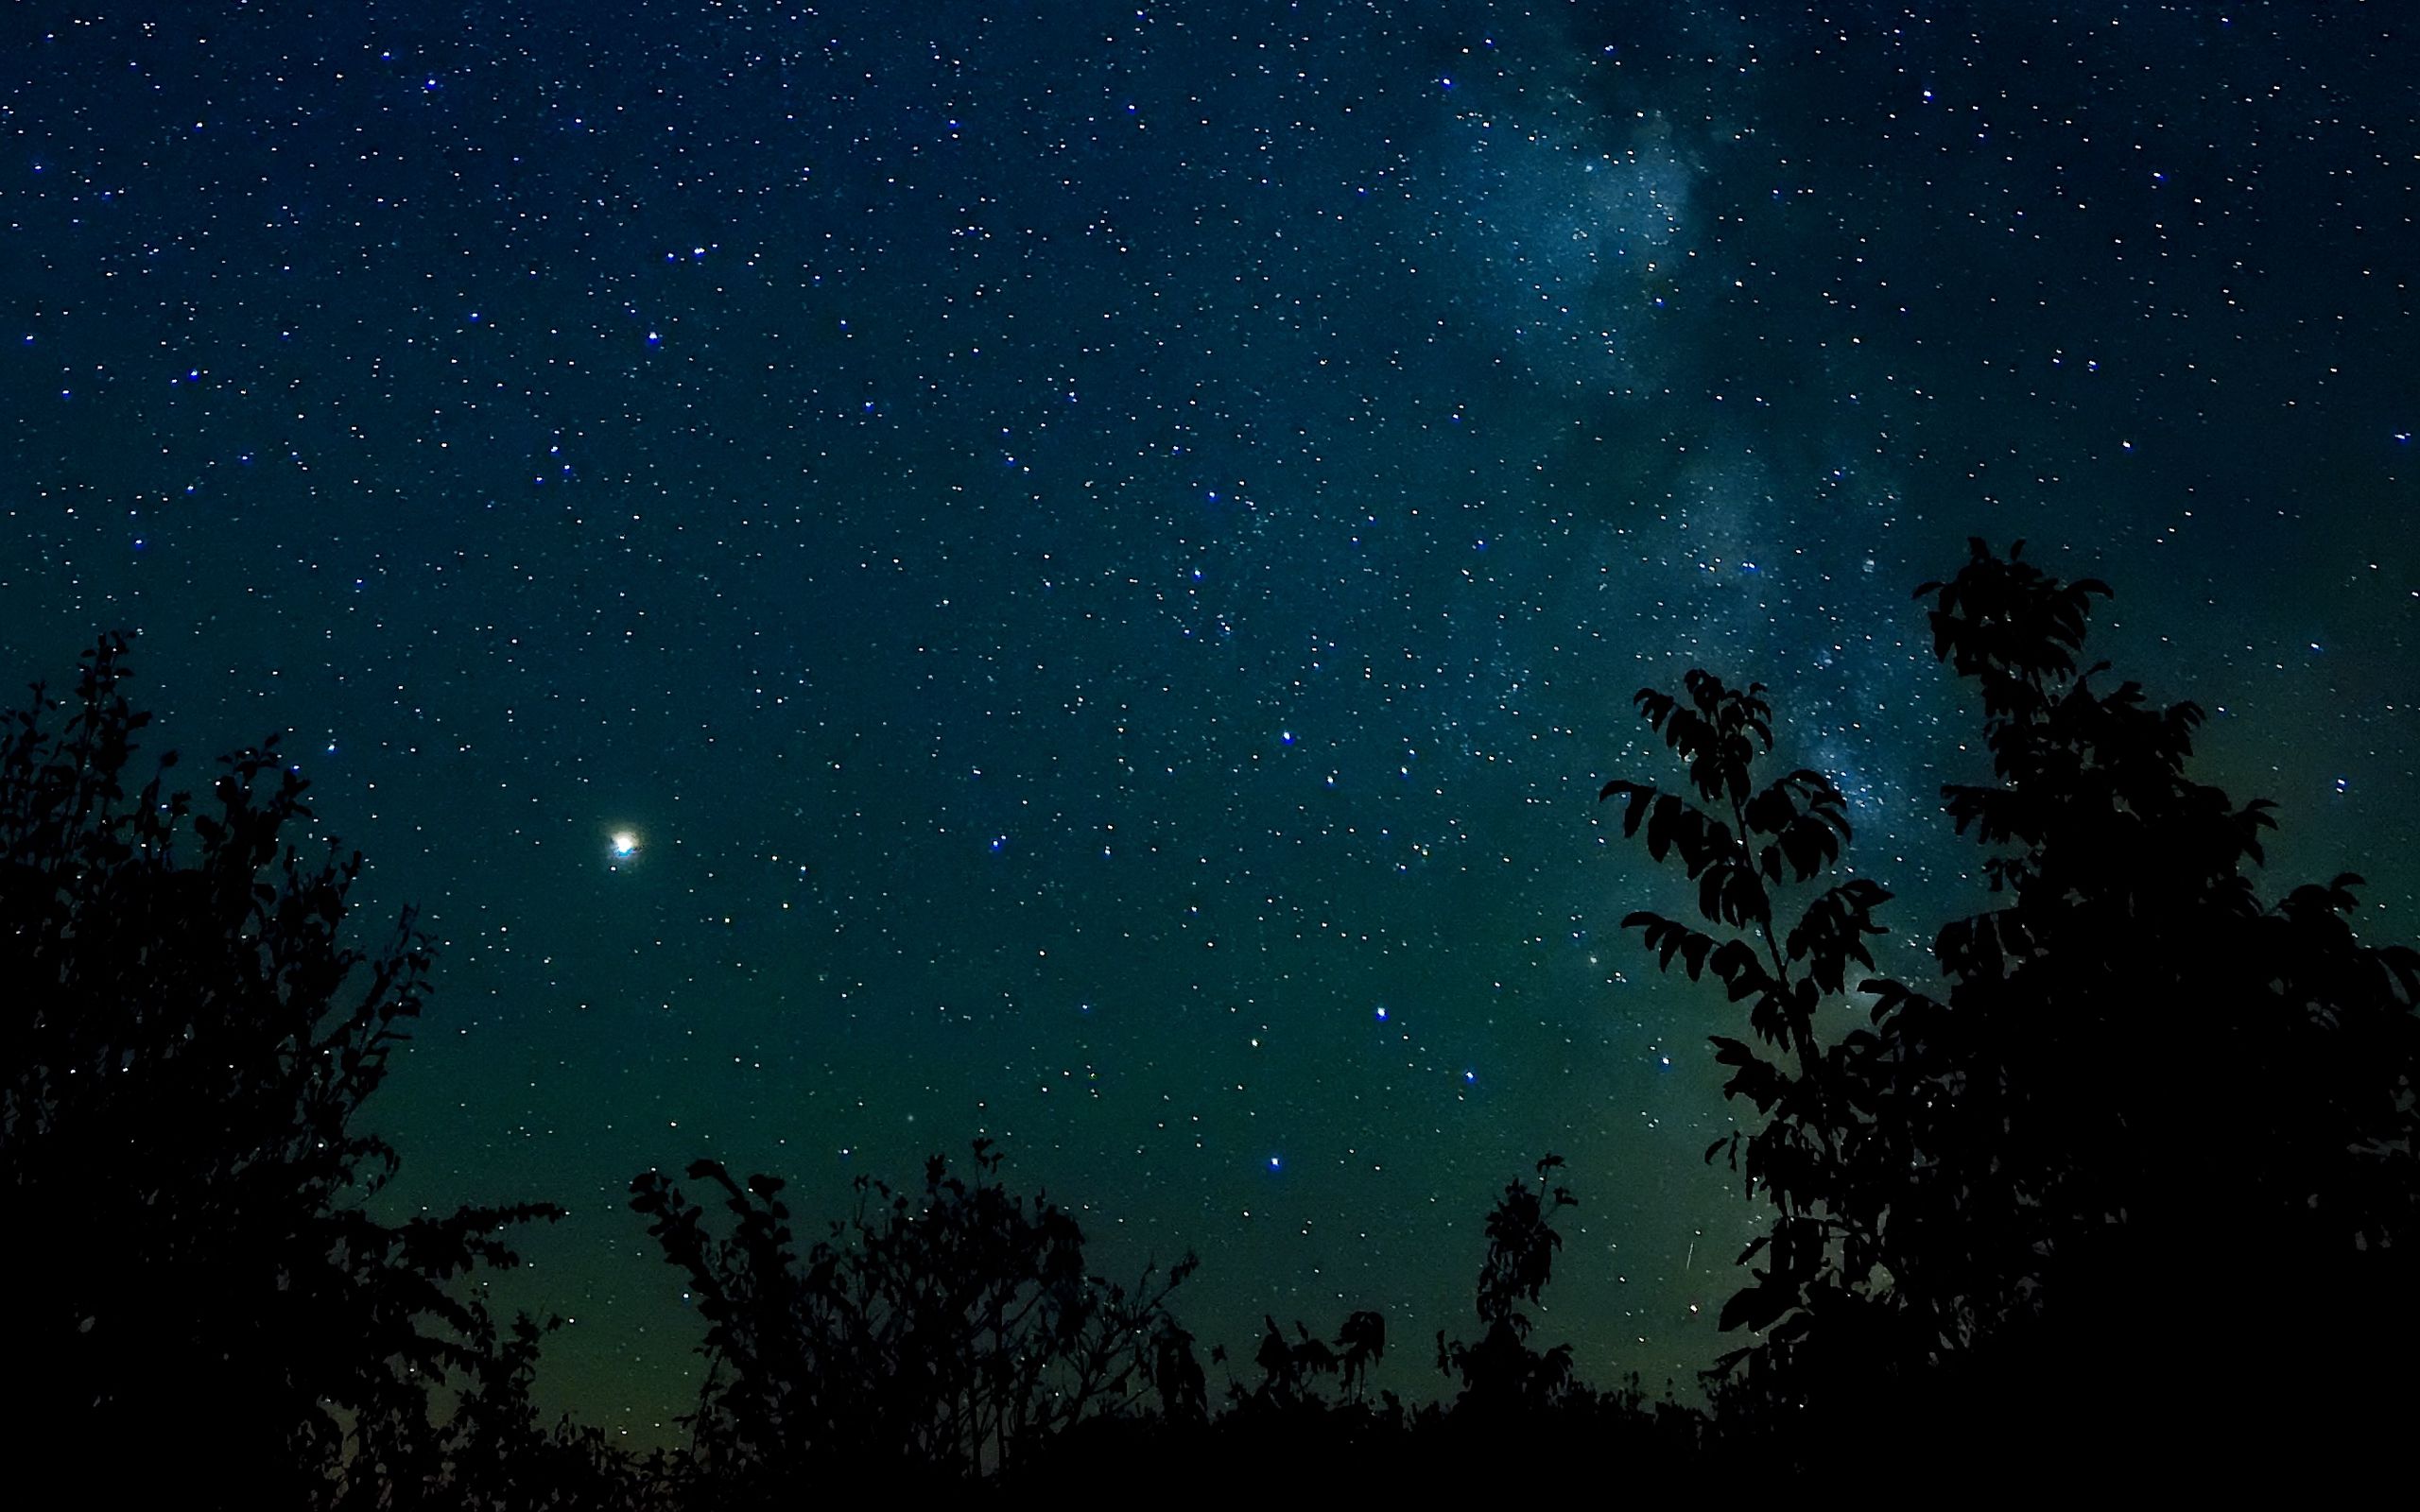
946,1332
2142,1090
1501,1372
185,1045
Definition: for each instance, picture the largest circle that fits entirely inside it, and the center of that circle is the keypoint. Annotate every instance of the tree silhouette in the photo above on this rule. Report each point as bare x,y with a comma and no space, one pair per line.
2145,1101
1755,841
1501,1372
185,1044
946,1333
2202,1104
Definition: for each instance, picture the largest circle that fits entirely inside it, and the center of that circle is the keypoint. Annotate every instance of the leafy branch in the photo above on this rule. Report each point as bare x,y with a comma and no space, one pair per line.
1741,842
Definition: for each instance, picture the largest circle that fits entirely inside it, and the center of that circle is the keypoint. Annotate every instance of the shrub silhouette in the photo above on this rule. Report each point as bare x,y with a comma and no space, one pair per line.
494,1454
944,1334
1501,1372
1309,1427
185,1044
2145,1101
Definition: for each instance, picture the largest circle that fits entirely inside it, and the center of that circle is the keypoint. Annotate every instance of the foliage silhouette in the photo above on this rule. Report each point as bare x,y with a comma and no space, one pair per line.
943,1333
1311,1427
1501,1371
492,1455
2144,1099
185,1044
2073,1196
1292,1368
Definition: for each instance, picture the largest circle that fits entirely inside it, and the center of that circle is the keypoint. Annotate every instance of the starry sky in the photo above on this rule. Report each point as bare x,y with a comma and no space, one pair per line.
1071,572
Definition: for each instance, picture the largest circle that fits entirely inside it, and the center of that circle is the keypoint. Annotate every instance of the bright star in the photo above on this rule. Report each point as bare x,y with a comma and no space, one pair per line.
625,845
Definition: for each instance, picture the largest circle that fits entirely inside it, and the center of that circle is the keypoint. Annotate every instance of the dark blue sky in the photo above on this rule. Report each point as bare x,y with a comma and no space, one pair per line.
1099,553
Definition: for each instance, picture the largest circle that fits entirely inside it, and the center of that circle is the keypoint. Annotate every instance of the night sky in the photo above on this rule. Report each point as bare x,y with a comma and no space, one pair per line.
895,571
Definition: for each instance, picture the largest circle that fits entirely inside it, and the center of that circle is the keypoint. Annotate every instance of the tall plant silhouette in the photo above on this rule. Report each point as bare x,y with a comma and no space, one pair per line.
2144,1096
1500,1371
186,1042
946,1332
1742,841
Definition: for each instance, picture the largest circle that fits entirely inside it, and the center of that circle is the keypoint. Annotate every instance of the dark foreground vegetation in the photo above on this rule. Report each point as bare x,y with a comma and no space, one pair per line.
2131,1187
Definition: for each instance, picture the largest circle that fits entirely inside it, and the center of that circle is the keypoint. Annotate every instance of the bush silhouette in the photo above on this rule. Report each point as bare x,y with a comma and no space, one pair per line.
2146,1102
1311,1427
1501,1372
945,1333
1292,1370
185,1043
